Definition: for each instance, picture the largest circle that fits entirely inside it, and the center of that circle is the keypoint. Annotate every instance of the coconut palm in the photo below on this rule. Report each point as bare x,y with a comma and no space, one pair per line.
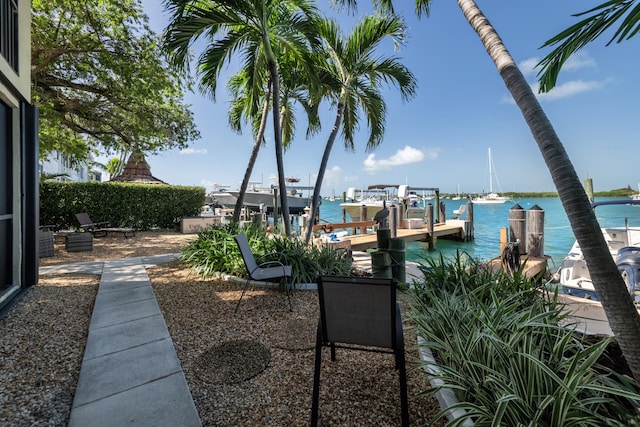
251,29
616,301
244,106
295,84
577,36
352,74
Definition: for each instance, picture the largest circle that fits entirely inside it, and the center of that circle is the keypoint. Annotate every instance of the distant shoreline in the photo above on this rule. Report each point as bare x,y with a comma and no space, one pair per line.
621,192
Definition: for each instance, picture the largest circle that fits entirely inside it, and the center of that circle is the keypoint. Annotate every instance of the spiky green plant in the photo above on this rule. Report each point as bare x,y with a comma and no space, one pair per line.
503,349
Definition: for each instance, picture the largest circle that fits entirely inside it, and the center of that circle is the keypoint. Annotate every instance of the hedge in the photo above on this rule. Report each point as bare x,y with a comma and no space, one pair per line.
140,206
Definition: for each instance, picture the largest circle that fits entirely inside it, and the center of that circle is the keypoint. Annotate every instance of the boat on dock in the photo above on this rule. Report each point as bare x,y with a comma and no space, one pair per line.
374,196
623,241
261,198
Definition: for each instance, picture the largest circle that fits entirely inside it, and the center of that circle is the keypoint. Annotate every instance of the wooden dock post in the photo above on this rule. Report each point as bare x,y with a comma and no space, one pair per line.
535,231
470,235
393,221
442,217
517,227
429,218
504,239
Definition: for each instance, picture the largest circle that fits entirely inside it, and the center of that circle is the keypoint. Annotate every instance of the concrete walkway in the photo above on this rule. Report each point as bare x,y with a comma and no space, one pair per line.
130,372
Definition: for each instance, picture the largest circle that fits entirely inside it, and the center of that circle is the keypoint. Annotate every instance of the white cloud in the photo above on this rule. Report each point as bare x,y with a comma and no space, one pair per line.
577,61
563,90
193,151
401,157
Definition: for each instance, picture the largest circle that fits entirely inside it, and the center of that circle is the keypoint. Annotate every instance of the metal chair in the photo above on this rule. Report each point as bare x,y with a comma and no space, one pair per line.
267,271
359,313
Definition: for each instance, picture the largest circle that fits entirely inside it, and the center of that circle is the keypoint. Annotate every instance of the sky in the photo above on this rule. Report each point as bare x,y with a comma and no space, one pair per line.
441,137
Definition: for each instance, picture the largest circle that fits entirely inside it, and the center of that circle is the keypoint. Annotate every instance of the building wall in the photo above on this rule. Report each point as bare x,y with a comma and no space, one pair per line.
56,164
18,137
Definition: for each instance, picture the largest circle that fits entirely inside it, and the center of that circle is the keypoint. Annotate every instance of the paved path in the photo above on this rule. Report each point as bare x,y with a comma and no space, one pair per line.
130,372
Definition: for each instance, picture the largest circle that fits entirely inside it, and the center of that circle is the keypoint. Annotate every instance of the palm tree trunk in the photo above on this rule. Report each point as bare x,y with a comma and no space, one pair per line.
315,201
277,135
252,160
616,300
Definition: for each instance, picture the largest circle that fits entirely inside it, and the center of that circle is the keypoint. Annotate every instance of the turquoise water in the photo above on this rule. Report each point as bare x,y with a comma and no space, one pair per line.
489,219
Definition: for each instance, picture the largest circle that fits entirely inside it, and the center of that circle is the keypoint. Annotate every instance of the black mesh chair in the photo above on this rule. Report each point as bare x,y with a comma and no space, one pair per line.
267,271
359,313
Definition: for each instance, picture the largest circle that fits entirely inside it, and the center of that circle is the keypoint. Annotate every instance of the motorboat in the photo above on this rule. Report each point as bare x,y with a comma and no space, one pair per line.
260,198
623,241
490,198
374,195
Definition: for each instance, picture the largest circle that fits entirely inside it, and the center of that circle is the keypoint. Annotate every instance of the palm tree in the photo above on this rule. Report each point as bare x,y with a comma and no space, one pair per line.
616,301
243,105
352,75
579,35
252,29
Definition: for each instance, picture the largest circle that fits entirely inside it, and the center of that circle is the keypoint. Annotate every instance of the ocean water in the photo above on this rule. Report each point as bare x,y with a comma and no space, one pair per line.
558,236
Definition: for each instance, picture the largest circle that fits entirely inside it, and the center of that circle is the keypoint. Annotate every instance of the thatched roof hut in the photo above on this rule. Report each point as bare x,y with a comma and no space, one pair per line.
137,170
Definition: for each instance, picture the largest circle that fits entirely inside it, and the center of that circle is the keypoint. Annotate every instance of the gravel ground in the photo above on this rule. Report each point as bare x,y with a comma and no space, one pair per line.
44,334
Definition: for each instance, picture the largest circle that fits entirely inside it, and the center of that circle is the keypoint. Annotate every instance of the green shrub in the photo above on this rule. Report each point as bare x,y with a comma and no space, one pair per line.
503,349
215,251
140,206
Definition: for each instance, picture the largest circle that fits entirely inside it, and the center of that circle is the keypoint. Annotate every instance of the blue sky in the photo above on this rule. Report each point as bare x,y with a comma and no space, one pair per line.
441,137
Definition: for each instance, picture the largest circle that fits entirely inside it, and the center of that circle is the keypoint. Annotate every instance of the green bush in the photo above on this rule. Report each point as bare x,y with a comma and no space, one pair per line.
140,206
215,251
503,349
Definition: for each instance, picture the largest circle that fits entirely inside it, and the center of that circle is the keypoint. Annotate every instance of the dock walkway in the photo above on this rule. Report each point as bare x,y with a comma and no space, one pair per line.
452,228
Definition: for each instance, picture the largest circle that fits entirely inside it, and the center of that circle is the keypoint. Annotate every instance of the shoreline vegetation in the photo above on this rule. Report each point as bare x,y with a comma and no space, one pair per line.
620,192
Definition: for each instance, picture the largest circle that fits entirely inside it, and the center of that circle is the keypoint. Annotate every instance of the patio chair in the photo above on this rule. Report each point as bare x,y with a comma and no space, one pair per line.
268,271
457,213
101,228
359,313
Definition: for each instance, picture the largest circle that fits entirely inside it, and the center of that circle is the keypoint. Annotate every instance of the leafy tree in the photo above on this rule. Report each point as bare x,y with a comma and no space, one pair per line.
616,301
100,82
252,29
352,75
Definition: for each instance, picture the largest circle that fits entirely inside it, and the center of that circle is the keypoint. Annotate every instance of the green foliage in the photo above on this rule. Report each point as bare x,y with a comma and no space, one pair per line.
215,251
141,206
503,350
100,80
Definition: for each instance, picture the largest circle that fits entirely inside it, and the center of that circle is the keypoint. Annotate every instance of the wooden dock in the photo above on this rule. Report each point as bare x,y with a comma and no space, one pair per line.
454,229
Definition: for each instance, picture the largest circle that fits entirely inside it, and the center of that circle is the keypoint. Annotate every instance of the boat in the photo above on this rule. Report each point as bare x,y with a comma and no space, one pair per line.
260,198
623,241
636,196
374,195
490,198
457,196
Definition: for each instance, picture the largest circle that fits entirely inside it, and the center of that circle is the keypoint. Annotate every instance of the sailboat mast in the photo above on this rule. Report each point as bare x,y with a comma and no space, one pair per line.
490,173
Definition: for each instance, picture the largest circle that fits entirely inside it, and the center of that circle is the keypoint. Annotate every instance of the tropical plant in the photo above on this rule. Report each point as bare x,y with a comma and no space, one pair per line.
574,38
256,30
243,104
352,74
502,347
215,251
100,81
616,301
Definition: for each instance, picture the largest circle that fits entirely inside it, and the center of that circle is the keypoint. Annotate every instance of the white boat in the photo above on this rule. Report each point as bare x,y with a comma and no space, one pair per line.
262,198
490,198
623,241
392,194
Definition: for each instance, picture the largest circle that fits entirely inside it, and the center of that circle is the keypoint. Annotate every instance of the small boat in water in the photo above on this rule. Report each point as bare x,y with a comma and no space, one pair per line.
623,241
490,198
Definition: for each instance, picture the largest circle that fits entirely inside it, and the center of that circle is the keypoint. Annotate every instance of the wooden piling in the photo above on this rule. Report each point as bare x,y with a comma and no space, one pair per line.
517,227
470,231
429,218
393,221
535,231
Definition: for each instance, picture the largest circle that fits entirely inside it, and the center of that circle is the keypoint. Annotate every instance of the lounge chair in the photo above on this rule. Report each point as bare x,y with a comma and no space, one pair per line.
359,313
99,229
268,271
